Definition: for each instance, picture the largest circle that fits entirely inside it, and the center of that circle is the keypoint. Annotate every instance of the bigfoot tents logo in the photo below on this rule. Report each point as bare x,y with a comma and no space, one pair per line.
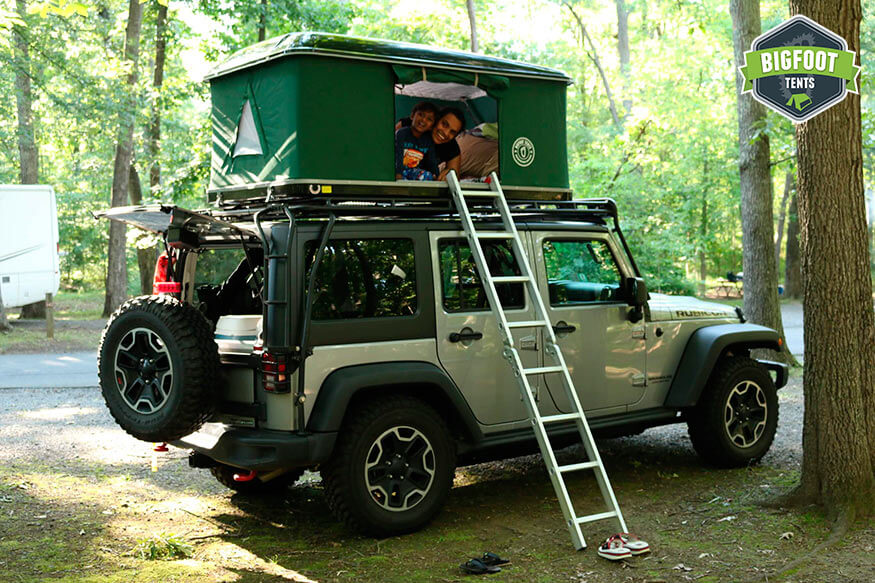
799,69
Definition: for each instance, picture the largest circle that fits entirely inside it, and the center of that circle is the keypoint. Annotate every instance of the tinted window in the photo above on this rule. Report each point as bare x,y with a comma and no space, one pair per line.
370,278
460,283
581,271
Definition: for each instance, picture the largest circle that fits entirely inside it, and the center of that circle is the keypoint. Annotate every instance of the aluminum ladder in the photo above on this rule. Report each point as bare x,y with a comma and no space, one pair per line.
539,422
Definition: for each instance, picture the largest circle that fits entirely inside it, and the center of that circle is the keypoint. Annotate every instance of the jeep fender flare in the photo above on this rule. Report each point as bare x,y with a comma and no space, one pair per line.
421,379
703,350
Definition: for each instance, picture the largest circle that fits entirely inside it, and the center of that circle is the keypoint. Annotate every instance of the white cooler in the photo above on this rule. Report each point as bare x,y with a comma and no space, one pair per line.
237,334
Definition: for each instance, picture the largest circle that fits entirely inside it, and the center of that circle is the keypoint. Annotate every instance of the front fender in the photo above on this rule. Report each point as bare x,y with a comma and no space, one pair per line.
422,378
704,349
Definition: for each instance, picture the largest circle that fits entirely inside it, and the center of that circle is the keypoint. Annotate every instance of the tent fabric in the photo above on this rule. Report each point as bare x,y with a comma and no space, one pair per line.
494,85
319,118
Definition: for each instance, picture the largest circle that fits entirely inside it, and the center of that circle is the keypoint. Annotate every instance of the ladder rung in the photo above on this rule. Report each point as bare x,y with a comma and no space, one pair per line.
480,193
494,235
509,279
580,466
526,324
594,517
543,369
559,418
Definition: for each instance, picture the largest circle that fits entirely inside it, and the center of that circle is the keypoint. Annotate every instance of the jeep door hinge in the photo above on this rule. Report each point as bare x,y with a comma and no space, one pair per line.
639,380
639,333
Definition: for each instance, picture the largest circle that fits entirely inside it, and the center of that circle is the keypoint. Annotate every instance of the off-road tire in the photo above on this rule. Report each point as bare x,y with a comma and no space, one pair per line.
344,474
186,341
710,420
225,476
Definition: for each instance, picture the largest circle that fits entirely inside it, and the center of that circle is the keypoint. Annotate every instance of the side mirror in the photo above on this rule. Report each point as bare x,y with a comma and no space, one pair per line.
636,291
636,296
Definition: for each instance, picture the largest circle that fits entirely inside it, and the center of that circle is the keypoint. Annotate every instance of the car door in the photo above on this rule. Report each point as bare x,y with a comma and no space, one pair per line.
470,347
581,281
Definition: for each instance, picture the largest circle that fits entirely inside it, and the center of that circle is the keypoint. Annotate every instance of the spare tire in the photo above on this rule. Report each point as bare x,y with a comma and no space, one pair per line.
158,363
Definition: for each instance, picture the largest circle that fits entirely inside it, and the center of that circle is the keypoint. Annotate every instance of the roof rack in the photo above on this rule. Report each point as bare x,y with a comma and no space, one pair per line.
598,210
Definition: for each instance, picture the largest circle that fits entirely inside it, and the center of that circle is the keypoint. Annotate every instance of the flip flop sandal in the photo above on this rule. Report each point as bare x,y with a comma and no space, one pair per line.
635,545
613,549
492,559
478,567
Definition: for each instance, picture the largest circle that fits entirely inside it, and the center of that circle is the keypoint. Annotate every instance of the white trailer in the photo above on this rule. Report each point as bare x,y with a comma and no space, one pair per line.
29,266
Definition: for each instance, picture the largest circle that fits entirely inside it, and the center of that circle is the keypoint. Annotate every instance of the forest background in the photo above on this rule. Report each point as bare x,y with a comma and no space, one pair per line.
652,116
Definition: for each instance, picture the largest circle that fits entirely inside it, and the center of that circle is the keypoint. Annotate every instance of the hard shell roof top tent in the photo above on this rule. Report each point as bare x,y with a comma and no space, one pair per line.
305,111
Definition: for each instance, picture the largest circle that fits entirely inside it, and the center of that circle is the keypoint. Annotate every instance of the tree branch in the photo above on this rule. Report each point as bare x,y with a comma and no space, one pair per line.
628,154
595,59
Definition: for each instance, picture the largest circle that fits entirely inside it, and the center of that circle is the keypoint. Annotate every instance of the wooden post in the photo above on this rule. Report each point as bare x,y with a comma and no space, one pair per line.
50,317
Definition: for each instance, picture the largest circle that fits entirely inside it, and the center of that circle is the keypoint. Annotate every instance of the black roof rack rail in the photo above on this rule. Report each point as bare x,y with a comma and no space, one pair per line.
593,209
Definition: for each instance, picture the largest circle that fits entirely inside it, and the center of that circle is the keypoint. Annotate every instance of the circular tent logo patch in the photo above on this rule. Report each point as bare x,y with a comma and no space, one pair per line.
799,69
523,151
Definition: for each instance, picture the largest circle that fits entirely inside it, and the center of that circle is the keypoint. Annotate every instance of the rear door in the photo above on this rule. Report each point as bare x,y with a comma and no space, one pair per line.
470,347
580,277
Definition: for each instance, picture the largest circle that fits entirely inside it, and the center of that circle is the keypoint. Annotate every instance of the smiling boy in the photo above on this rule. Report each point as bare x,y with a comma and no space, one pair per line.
415,155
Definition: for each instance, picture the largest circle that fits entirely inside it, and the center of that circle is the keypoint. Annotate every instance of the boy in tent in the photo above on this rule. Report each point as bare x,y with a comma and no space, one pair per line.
415,153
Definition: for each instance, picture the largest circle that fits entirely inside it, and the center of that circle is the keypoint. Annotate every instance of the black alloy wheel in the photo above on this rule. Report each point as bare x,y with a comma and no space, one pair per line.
143,370
392,466
400,468
735,420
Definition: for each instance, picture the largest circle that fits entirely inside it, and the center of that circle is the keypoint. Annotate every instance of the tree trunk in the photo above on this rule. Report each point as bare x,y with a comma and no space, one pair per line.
146,257
760,273
157,82
703,232
838,439
262,21
585,38
472,19
27,150
116,268
792,261
782,216
623,51
4,323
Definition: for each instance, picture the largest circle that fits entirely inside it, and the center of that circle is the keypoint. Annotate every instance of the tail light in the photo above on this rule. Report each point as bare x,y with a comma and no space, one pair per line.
275,372
163,282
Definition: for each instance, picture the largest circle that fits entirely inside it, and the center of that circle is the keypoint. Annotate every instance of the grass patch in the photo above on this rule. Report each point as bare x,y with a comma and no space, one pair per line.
79,305
163,547
32,340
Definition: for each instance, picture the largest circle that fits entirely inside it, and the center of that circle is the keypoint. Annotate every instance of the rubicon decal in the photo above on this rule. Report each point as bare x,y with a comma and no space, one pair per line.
799,69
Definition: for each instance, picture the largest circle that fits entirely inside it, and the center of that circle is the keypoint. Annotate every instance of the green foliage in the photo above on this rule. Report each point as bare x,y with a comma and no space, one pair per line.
672,167
163,547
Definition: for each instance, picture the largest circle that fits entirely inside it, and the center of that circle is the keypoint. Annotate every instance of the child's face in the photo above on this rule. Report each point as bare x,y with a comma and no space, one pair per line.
423,121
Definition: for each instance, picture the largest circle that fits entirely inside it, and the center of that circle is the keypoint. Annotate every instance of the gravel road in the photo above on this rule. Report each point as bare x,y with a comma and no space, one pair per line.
54,426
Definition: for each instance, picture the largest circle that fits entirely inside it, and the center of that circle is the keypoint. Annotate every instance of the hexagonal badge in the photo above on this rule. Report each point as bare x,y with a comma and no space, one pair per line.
799,69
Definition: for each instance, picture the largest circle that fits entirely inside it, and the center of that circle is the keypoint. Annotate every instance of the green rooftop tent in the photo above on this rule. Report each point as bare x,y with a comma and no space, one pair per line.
313,111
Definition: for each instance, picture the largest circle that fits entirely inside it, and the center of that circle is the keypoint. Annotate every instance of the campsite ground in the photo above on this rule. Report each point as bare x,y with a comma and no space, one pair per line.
79,503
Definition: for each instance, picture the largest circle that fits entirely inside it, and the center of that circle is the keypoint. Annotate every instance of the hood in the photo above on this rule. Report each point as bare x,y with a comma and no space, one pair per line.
665,307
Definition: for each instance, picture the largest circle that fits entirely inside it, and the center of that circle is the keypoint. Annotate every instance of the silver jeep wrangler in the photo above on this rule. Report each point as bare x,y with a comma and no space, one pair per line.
358,340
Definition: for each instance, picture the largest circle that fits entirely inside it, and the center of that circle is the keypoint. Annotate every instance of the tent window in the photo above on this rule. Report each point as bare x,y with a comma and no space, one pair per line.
475,151
247,143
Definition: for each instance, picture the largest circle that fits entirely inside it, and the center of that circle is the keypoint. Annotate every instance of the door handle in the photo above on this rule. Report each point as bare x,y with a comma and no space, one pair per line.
563,328
465,335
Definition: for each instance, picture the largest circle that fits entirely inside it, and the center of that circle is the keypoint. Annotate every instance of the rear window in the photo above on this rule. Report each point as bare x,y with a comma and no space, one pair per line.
364,278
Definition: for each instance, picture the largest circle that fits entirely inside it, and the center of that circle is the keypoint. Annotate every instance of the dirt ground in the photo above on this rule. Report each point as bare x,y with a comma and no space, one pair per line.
79,503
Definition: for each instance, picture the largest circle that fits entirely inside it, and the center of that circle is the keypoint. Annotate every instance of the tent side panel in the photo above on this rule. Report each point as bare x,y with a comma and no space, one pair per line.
535,110
346,119
272,91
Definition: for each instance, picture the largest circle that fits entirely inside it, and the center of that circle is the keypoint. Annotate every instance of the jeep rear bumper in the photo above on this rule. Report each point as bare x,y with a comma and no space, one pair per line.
259,449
